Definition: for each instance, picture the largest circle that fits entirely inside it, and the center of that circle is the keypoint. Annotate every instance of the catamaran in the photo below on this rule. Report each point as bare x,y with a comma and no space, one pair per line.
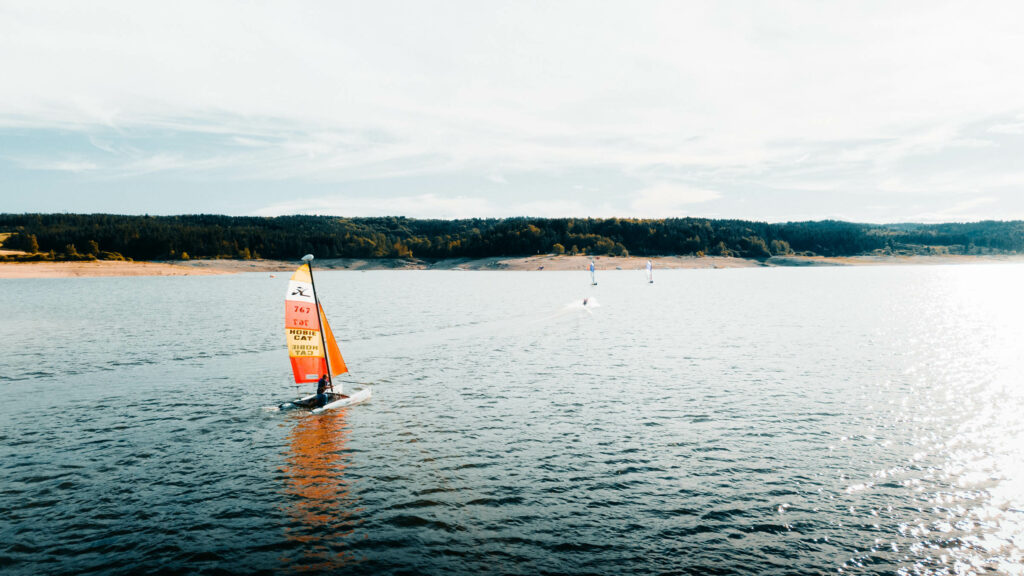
311,346
650,272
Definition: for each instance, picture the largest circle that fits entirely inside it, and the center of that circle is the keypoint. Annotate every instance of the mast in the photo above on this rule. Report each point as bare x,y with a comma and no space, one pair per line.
308,259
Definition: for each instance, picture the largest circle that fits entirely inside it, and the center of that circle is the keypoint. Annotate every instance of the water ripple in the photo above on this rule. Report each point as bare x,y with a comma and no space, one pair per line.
800,422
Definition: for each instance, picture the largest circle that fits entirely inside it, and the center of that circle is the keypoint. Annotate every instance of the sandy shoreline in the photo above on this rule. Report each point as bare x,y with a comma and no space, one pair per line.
540,262
97,269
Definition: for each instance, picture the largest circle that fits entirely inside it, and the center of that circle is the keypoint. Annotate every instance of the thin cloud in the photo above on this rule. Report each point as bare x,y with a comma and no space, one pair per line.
74,166
436,206
1016,128
669,199
423,205
963,211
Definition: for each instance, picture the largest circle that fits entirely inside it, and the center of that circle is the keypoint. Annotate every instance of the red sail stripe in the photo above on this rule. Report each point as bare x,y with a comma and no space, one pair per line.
306,369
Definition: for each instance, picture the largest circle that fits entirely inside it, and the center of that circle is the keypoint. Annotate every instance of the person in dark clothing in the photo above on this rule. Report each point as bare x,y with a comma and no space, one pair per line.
321,391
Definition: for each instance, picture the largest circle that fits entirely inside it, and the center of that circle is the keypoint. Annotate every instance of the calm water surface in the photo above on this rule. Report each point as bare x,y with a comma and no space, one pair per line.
770,421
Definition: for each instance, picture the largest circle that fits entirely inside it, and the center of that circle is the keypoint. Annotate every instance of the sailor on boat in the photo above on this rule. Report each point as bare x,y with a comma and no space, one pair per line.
321,390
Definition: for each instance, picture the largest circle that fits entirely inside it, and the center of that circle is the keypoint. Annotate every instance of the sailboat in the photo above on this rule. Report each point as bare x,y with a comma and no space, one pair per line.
593,280
309,336
650,272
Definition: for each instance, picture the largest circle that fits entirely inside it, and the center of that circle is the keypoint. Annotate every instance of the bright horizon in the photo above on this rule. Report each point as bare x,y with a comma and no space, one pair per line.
792,111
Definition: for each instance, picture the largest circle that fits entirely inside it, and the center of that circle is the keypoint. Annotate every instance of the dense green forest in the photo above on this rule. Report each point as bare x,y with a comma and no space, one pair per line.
109,236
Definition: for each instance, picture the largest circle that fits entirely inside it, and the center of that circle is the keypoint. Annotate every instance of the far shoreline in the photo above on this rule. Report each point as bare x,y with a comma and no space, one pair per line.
546,262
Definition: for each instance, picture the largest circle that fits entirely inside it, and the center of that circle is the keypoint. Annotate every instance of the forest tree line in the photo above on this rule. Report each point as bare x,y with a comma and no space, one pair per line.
109,236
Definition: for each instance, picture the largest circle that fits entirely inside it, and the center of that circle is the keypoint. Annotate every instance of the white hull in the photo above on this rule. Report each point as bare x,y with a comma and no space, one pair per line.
306,402
356,398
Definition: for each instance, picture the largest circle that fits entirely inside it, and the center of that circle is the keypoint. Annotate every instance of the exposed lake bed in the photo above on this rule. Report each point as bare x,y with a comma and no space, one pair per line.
548,262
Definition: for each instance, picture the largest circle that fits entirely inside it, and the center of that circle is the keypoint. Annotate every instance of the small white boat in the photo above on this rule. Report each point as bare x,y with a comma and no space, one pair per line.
312,348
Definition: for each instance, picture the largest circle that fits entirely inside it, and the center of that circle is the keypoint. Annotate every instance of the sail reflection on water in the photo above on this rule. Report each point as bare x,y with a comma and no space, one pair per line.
321,511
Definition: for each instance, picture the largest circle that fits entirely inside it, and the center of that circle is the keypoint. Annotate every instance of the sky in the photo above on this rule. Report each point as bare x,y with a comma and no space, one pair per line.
778,111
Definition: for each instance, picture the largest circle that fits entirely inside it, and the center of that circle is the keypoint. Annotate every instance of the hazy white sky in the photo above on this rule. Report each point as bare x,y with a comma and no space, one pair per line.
867,111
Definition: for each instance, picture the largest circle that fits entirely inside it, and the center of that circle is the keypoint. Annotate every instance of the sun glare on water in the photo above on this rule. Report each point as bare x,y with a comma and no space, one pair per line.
965,410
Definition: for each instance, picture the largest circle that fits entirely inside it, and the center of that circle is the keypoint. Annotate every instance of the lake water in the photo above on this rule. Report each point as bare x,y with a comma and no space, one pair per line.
768,421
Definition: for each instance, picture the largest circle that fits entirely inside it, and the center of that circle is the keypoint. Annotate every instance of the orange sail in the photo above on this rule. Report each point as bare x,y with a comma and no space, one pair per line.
303,331
333,353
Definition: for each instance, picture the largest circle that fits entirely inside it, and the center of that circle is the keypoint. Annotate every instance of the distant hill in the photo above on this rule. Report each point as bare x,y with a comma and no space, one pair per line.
110,236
